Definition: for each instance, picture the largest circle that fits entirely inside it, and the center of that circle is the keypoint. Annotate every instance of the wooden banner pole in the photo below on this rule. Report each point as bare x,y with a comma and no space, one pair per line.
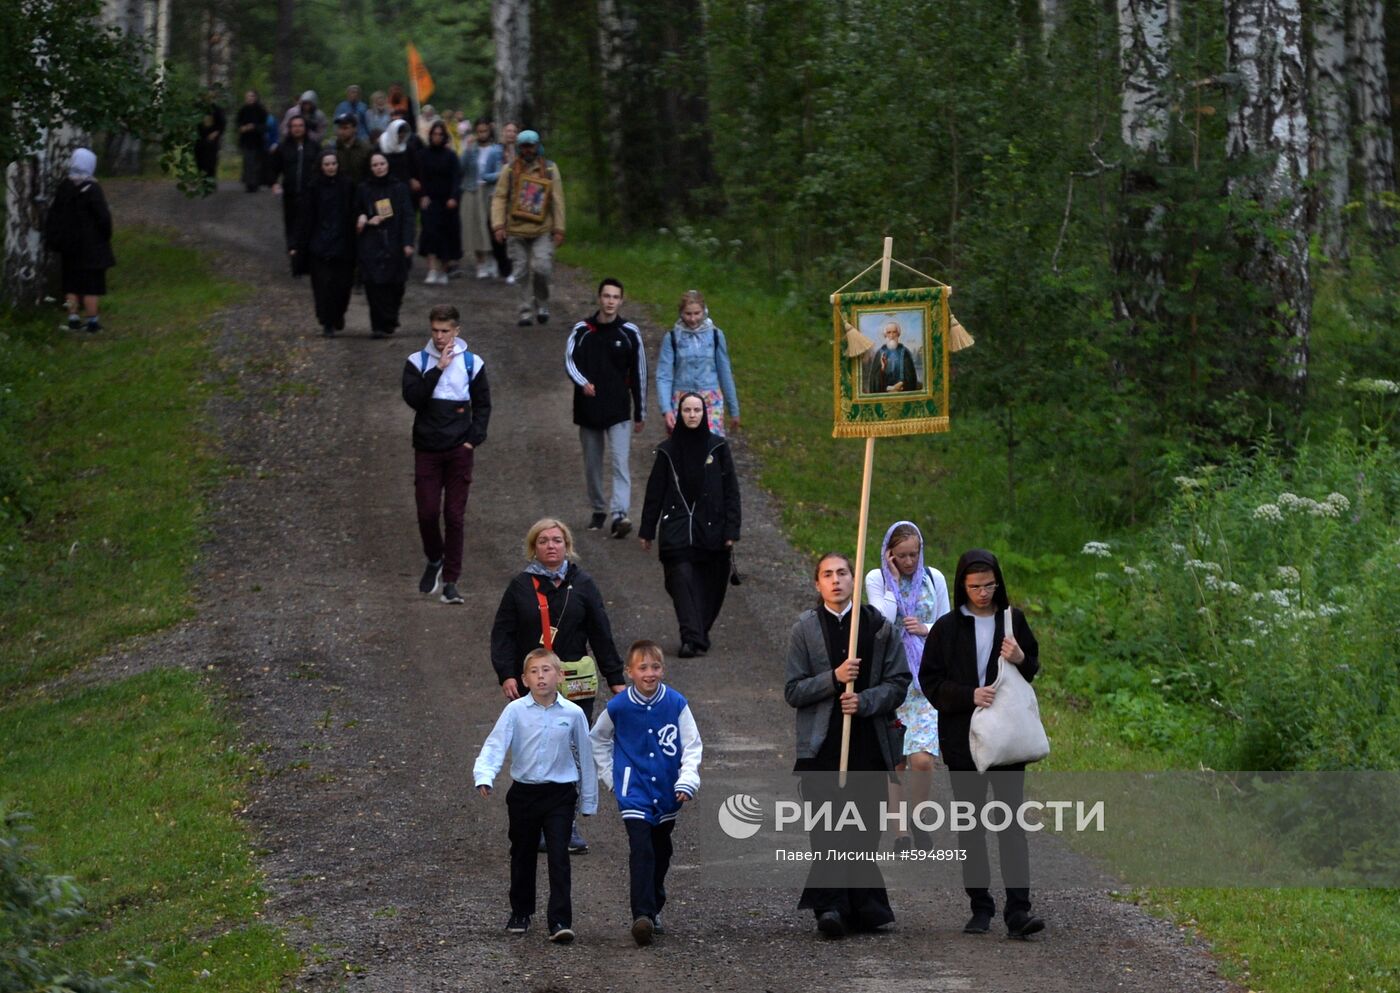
858,580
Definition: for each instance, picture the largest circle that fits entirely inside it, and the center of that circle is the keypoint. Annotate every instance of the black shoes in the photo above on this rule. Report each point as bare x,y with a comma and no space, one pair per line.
831,925
560,934
525,322
432,579
542,317
328,332
621,526
518,923
642,931
596,522
978,924
450,594
688,651
1023,925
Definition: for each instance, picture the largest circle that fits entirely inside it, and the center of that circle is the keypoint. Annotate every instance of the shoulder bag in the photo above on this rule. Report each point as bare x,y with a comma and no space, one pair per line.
1009,731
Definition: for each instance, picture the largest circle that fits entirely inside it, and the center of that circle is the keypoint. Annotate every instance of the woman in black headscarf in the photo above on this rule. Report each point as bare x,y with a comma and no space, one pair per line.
325,242
385,224
442,228
693,498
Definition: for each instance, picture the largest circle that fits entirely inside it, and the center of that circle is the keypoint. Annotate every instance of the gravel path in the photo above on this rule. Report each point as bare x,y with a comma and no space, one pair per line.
364,703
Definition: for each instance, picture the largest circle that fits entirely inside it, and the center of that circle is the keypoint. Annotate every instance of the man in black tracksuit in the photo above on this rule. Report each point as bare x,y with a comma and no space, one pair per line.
608,364
446,386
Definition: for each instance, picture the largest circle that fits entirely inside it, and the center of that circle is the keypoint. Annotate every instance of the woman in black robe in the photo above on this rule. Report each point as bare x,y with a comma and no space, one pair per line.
385,226
325,243
441,173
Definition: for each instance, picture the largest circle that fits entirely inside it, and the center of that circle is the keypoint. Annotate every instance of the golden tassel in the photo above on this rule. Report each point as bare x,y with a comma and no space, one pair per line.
958,338
856,343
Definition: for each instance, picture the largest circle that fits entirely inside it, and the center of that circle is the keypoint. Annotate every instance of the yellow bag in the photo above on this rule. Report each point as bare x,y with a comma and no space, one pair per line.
581,679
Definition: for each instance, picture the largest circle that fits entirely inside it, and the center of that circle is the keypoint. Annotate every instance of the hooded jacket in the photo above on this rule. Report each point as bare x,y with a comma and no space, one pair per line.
710,521
451,406
948,671
611,357
79,226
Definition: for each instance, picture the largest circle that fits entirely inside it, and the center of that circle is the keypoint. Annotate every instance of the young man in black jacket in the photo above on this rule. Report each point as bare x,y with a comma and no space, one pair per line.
608,364
446,386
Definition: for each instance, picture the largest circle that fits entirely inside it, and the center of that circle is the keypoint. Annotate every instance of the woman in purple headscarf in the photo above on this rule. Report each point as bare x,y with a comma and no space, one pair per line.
911,595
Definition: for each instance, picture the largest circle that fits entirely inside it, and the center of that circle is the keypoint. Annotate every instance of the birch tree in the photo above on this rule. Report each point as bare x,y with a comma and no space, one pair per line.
510,28
1145,31
614,32
1331,117
1268,140
1370,89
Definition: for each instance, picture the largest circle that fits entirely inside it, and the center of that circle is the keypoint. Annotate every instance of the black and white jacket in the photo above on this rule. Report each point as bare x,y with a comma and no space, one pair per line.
451,406
612,358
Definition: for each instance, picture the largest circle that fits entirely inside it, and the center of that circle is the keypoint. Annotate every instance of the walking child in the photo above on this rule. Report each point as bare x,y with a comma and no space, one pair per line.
551,764
647,749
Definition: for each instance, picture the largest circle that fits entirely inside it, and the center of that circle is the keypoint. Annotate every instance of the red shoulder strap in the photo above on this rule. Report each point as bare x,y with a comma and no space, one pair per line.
546,632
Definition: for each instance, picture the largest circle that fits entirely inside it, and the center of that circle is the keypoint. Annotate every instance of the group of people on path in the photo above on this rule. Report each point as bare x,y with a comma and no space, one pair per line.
923,662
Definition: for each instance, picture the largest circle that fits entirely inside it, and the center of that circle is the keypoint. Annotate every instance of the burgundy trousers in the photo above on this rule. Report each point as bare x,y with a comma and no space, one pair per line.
441,481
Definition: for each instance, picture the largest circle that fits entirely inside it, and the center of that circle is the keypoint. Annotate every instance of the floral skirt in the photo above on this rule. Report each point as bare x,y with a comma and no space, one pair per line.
920,722
714,405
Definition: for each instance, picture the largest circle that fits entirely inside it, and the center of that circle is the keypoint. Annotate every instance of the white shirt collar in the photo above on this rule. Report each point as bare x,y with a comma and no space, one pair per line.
842,615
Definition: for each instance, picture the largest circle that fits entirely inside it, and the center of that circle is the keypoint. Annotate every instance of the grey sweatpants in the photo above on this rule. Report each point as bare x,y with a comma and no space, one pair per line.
532,263
619,442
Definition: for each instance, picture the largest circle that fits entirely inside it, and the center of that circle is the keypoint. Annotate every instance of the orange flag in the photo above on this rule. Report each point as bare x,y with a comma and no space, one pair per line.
418,72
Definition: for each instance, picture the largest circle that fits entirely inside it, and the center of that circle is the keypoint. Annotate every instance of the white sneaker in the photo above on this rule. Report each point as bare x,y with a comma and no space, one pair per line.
482,272
431,278
510,280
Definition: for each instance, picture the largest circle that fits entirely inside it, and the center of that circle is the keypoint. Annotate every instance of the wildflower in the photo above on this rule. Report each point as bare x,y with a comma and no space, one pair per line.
1179,549
1380,387
1100,577
1331,609
1188,483
1289,501
1098,549
1200,566
1288,574
1129,570
1247,642
1281,598
1339,501
1268,512
1323,509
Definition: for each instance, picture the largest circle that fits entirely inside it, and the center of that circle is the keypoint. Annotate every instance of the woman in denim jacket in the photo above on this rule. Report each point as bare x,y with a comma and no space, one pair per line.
695,359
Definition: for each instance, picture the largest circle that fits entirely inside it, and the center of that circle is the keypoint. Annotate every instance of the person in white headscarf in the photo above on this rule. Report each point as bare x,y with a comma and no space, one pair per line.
401,147
79,229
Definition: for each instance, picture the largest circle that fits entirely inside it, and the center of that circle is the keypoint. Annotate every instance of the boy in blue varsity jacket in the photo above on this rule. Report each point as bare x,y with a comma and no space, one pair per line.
446,386
647,748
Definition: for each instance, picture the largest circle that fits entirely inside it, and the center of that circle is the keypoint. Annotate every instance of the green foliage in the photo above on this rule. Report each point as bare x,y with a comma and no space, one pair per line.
36,909
101,470
1257,616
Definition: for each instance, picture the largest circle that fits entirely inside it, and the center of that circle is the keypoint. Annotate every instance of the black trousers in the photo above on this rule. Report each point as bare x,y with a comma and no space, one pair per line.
1008,785
649,860
536,807
252,168
206,156
498,250
330,284
697,590
384,300
291,203
854,889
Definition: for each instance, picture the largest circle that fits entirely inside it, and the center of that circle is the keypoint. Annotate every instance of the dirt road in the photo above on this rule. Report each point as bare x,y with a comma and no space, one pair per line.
364,703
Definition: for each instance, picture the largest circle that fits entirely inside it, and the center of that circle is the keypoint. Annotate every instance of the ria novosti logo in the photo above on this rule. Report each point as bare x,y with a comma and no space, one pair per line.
741,816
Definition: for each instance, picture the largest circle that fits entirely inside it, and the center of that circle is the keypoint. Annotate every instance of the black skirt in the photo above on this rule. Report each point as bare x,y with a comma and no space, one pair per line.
84,282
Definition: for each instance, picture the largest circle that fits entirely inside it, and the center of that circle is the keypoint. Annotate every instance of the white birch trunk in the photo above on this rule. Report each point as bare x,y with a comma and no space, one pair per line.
1051,14
510,29
1331,121
612,48
1145,34
30,185
1268,127
1374,149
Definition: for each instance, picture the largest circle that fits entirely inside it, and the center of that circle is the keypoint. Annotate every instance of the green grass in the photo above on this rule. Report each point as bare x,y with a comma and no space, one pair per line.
103,449
105,460
133,786
954,487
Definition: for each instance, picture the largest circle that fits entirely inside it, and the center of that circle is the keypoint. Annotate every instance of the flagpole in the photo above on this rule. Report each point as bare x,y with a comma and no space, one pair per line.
858,580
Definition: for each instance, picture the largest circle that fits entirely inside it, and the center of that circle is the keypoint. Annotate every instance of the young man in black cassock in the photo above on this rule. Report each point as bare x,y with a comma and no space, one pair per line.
846,895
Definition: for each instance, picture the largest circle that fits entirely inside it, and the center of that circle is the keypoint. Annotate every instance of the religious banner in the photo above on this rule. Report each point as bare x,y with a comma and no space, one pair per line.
890,362
418,75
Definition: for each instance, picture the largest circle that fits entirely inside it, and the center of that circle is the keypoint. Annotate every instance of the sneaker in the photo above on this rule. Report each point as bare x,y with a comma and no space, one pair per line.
432,579
978,924
512,279
378,335
454,273
560,934
687,650
656,927
596,522
642,931
525,322
75,322
327,332
542,317
431,278
518,923
1023,925
482,272
93,326
450,594
577,846
831,925
621,526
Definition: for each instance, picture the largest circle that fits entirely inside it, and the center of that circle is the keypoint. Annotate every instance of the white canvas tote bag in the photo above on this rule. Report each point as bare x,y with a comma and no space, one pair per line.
1009,731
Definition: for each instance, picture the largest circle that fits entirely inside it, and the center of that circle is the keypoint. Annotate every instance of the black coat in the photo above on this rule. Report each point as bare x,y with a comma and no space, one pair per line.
295,166
79,226
948,669
326,222
715,517
256,115
575,608
381,245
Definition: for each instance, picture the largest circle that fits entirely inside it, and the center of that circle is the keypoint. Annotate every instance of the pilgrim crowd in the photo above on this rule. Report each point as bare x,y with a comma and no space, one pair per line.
365,189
